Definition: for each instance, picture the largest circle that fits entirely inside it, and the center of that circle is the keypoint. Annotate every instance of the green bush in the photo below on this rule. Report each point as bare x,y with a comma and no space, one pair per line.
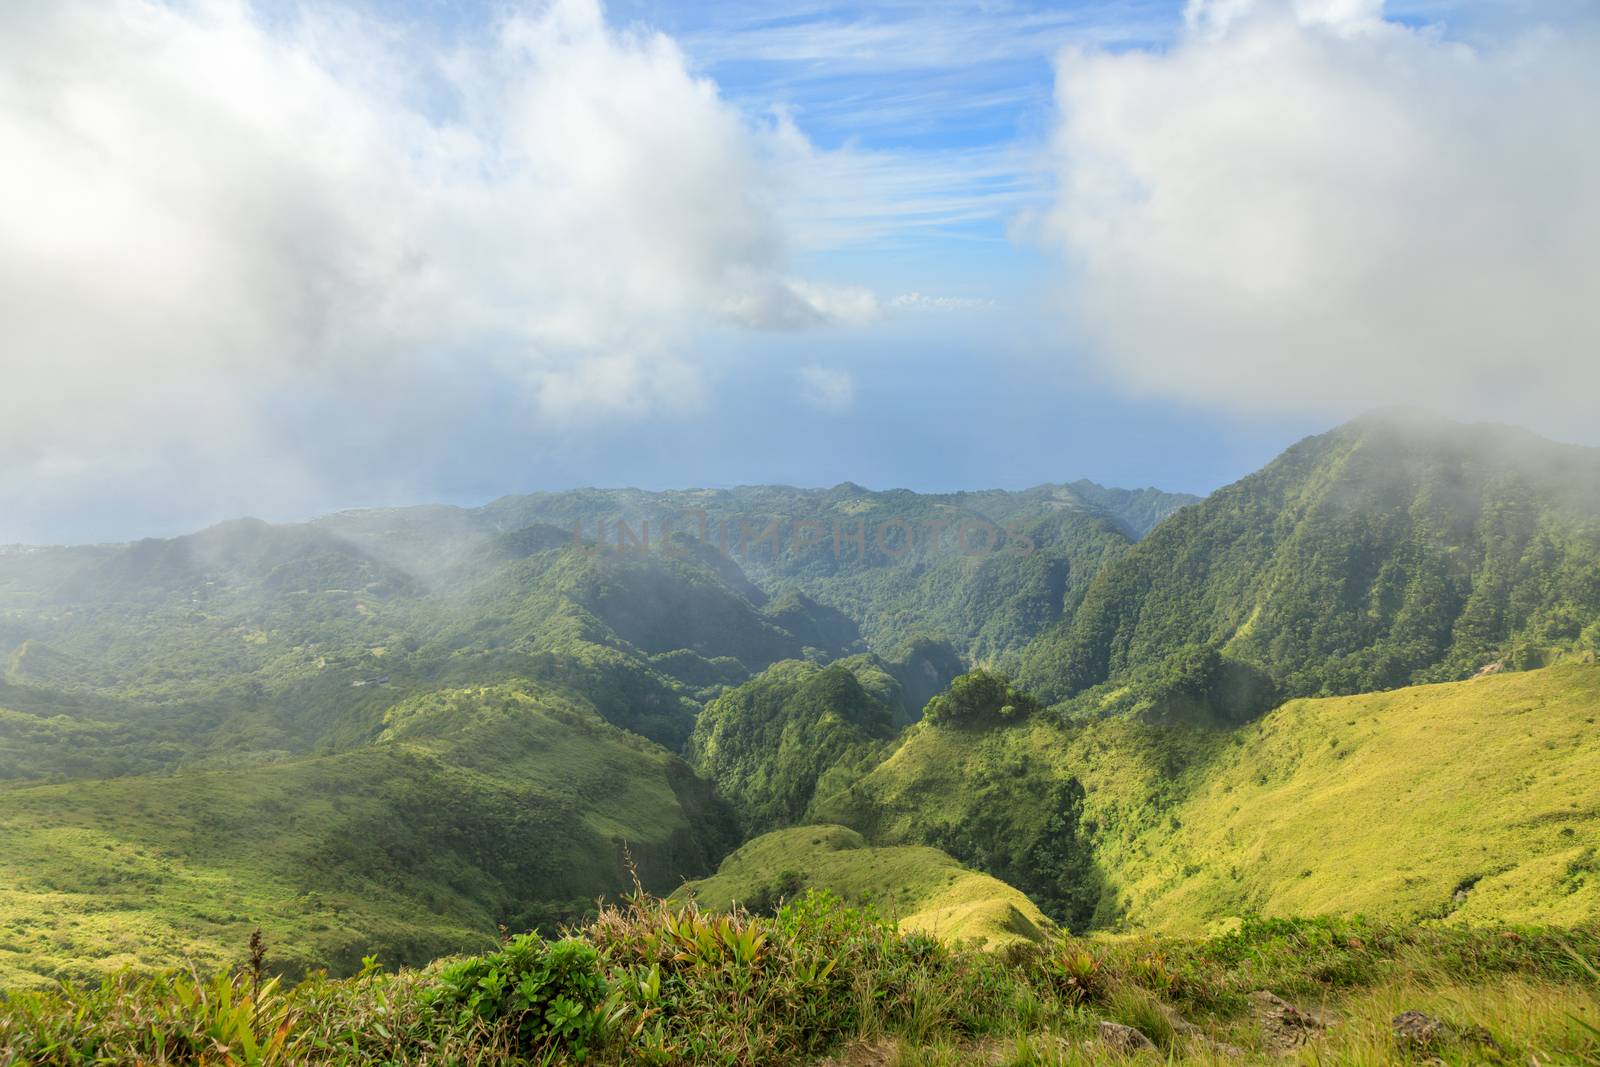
980,698
550,993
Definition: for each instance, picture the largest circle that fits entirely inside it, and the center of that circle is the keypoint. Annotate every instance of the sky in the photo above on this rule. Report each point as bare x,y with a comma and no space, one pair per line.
281,258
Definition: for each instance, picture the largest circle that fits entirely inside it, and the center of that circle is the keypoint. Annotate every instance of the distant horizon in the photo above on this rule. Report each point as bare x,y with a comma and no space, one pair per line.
487,501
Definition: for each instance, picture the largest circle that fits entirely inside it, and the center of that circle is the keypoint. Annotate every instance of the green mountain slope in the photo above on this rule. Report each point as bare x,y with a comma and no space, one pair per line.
1394,550
473,807
1001,795
1475,800
922,889
770,744
391,730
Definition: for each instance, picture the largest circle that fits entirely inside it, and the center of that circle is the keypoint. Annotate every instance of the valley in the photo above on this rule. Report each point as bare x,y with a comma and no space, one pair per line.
1356,687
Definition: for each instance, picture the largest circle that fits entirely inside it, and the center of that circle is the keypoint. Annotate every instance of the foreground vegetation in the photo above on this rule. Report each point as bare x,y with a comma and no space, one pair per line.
649,982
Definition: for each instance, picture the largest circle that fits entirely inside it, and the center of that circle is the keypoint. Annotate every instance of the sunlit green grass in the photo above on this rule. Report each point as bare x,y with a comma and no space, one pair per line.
1473,801
1478,801
821,984
921,888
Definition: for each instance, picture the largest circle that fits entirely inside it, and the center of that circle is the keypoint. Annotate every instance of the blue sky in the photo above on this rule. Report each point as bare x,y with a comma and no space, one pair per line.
288,257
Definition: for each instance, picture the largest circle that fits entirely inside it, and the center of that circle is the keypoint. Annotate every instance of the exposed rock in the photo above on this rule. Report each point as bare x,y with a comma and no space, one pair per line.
1121,1038
1180,1026
1214,1048
1417,1031
1285,1026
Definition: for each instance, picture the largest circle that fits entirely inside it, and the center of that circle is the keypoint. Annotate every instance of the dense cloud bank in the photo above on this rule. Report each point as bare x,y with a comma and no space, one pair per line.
1303,205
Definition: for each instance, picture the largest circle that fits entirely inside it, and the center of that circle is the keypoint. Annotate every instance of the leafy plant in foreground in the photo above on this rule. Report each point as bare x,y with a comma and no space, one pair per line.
552,993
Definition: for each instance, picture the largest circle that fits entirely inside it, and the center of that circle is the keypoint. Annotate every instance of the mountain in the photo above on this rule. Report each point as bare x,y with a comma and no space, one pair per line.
1476,801
364,741
276,726
1397,549
996,788
391,730
289,640
985,571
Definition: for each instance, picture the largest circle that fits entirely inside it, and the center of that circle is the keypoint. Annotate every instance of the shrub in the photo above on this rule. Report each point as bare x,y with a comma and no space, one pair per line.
548,994
980,698
649,982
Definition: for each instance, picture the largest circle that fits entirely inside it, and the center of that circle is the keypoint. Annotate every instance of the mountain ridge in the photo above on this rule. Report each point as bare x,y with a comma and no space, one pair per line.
1375,555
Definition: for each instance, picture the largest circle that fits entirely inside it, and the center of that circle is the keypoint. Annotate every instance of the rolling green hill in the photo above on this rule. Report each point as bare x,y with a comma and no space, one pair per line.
1394,550
920,888
1474,801
508,804
256,641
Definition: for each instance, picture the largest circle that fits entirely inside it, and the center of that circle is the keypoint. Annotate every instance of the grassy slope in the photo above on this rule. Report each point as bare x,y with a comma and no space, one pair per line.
1383,803
474,807
922,888
1388,803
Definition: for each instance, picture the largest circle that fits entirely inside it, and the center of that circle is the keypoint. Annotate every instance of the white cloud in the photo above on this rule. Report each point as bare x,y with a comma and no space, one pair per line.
826,389
794,303
1300,206
198,211
923,302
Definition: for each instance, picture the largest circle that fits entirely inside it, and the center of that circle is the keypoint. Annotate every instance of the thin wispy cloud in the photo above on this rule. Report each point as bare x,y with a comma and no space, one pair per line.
920,121
827,389
857,196
925,302
821,40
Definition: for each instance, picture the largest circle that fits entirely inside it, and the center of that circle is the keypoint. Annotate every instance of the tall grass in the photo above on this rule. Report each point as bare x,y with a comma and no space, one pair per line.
652,982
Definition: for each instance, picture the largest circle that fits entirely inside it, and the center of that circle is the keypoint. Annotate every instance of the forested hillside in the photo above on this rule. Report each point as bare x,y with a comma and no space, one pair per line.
263,639
1394,550
271,726
774,743
395,730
